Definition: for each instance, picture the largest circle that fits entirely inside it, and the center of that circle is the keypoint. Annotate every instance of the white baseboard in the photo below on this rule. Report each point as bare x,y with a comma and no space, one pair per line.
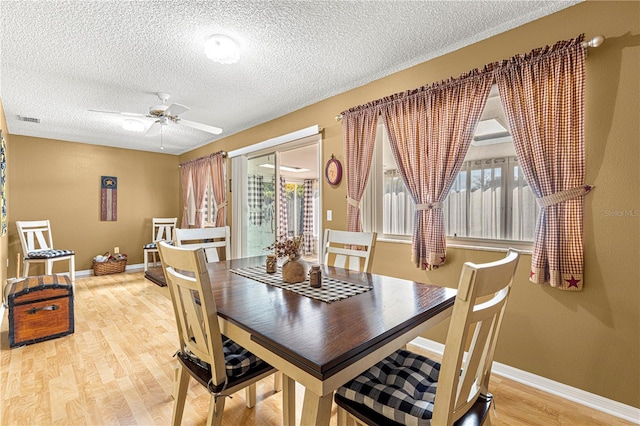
561,390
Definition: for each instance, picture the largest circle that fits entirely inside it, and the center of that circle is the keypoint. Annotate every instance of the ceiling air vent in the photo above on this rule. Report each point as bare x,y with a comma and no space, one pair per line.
28,119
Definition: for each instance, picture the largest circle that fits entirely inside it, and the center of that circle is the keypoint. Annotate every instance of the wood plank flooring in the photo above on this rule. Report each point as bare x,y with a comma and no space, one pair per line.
117,368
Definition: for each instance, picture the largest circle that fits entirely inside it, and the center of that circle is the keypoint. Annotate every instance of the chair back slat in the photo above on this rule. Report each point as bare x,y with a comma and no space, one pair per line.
214,241
477,315
196,317
349,250
163,228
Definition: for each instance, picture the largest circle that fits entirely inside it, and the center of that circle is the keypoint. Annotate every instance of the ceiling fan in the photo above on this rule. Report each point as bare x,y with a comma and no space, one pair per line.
166,114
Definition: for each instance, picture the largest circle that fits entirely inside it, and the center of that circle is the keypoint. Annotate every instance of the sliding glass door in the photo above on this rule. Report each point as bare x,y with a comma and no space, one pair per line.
276,194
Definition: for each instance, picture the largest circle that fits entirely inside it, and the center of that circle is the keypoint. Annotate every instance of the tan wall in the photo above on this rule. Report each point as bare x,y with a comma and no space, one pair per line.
60,181
589,340
4,239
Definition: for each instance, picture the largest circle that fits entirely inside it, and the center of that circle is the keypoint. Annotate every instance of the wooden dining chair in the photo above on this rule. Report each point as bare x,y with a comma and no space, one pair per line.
161,230
348,250
407,388
215,241
219,364
37,247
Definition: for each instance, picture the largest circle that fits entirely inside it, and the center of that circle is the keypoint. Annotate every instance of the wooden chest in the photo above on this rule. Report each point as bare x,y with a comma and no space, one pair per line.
40,308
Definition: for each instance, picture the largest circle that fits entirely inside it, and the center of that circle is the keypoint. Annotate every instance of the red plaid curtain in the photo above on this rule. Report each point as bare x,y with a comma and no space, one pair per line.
359,135
283,216
185,179
307,217
217,164
543,97
429,132
200,180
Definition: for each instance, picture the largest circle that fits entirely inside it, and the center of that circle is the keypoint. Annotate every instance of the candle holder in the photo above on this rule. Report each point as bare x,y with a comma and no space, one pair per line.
272,264
315,276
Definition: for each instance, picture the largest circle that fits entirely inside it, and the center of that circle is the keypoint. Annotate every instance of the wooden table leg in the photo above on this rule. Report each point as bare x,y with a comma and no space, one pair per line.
316,410
288,400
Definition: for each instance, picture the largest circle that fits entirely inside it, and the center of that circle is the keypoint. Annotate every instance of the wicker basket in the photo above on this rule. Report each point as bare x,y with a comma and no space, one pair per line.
109,267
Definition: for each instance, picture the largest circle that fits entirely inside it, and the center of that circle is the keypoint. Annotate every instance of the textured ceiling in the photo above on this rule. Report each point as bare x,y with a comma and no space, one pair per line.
61,59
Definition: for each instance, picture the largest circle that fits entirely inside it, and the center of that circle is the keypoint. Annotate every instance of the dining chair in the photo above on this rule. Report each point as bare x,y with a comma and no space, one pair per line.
210,239
349,250
407,388
37,247
216,362
161,230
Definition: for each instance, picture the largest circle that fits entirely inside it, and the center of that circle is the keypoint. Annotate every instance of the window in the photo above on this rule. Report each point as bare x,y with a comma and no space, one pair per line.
490,199
210,209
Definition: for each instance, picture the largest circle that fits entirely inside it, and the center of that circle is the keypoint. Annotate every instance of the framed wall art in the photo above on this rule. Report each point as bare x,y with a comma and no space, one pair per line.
109,198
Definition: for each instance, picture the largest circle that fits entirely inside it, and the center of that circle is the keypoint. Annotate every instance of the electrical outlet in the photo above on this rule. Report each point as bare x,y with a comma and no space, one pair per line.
116,250
329,215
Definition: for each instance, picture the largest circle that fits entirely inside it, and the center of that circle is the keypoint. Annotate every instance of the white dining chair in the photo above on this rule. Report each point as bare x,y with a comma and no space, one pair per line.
162,230
348,250
37,247
214,241
218,363
408,388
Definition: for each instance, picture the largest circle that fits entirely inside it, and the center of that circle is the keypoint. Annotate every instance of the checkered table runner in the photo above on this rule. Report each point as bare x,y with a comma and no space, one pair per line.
331,290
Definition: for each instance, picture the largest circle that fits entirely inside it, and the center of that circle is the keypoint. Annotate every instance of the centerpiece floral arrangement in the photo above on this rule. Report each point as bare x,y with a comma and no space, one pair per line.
287,247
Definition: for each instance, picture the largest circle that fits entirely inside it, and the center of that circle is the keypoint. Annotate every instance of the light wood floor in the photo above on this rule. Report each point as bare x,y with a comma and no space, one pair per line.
117,369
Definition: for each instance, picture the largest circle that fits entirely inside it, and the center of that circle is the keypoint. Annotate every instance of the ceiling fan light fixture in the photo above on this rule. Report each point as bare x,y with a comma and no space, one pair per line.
157,110
133,125
222,49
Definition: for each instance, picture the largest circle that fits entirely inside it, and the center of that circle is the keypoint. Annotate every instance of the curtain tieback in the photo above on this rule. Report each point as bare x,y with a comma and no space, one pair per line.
559,197
429,206
221,205
352,202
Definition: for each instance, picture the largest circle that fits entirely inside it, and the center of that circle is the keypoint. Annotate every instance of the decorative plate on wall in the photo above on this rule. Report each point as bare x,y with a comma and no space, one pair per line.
333,171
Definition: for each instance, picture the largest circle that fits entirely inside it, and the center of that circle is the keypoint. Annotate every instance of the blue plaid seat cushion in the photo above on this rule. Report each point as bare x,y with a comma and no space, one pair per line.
401,387
48,254
238,360
154,245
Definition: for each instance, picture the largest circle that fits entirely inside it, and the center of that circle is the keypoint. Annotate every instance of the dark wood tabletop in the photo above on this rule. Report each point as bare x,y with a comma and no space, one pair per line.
318,337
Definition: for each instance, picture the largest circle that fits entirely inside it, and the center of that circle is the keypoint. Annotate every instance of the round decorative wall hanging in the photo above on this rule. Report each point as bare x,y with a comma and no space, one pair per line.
333,171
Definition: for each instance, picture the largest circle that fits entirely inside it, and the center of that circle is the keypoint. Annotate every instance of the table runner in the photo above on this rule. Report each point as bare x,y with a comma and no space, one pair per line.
332,289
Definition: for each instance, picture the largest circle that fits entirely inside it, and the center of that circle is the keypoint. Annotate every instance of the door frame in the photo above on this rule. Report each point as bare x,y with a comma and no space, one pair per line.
239,170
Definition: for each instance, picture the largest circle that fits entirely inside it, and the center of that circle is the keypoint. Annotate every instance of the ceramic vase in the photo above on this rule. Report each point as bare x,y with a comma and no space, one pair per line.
294,270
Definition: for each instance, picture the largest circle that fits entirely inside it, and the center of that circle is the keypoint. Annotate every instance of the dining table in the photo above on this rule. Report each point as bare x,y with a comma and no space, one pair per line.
317,340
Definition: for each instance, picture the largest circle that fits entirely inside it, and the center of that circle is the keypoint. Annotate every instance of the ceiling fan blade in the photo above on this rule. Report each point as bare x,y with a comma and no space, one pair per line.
175,109
129,114
155,128
200,126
